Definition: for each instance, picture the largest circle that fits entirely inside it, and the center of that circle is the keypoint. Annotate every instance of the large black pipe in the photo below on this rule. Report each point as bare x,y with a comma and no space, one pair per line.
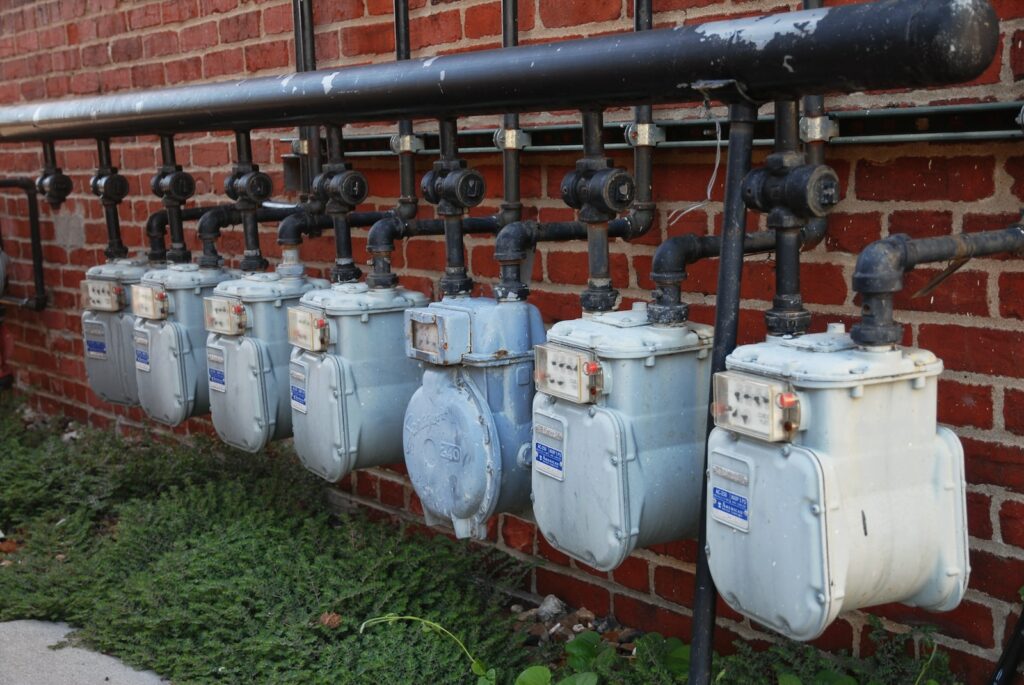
881,266
887,44
727,311
38,300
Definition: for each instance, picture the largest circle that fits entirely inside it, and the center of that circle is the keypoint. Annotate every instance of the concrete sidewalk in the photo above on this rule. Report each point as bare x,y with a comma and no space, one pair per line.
26,659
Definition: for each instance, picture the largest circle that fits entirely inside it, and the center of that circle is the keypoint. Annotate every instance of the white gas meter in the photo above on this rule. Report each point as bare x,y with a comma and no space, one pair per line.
247,352
619,423
830,486
170,340
349,378
108,326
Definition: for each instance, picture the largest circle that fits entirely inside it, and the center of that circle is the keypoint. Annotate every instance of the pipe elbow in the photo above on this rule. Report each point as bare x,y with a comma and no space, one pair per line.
881,265
515,241
671,258
813,233
640,220
382,235
212,221
290,231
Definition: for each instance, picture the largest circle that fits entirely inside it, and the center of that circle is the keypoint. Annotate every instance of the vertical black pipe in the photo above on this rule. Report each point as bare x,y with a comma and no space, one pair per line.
36,239
175,220
49,155
406,161
814,106
104,173
250,223
305,60
512,207
787,241
593,131
727,311
599,295
643,20
455,254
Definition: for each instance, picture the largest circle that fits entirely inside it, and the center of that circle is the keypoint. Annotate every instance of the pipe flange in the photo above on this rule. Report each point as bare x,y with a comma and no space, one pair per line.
787,322
820,129
644,135
877,335
599,299
406,144
511,292
511,139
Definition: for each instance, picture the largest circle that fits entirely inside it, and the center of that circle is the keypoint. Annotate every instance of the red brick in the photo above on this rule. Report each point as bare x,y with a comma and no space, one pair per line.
199,36
517,533
1011,522
994,463
1017,55
373,39
437,28
239,27
837,636
637,614
965,405
557,13
145,16
969,621
555,306
852,232
338,10
1011,295
979,522
916,179
366,484
483,20
979,350
964,292
577,593
633,573
270,55
184,70
223,62
278,19
392,493
571,268
920,223
674,584
1013,411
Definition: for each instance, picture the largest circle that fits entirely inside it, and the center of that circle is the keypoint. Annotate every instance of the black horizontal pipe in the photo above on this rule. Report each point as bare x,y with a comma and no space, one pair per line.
882,264
28,186
887,44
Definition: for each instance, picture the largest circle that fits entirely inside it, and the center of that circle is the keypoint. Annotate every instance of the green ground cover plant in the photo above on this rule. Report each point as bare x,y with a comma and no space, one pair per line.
210,565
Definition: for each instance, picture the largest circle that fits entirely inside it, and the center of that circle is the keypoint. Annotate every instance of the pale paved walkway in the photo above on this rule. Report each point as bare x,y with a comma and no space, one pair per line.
26,659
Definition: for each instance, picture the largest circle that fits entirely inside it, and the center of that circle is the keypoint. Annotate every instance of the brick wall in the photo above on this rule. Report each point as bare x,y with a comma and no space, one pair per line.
975,322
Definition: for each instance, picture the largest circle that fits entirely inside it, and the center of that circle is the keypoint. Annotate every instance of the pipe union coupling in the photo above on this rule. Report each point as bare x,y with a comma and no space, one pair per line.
54,186
176,185
110,186
604,192
252,186
785,183
346,187
462,188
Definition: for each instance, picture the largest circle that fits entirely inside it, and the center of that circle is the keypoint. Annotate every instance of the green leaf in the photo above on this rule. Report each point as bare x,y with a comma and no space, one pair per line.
677,661
490,678
588,678
789,679
535,675
582,650
830,677
479,668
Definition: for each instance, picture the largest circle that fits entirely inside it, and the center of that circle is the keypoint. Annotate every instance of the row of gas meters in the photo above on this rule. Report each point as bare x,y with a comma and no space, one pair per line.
829,484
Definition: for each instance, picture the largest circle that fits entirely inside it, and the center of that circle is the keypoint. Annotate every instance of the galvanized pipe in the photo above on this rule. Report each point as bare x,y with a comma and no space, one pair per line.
887,44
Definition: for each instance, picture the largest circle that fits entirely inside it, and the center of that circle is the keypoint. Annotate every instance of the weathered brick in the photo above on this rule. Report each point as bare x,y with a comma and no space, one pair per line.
961,404
1013,411
559,13
852,232
372,39
917,179
975,349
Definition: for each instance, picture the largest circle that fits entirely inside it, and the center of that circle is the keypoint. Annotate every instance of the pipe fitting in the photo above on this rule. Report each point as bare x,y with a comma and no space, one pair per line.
109,185
598,190
380,243
340,186
453,187
248,187
790,191
173,184
54,186
512,247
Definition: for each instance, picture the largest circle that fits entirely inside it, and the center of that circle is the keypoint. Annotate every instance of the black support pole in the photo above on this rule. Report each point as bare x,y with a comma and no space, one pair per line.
38,300
727,310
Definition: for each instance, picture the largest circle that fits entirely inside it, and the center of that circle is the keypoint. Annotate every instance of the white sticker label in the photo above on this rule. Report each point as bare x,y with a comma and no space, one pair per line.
730,508
95,340
142,351
298,391
215,371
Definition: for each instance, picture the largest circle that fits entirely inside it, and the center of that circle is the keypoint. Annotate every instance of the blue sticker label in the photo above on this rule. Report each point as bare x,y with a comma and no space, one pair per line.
96,347
141,359
730,508
299,399
217,380
548,460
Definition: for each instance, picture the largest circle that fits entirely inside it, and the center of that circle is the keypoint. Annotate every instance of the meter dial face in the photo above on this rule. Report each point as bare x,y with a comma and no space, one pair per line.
425,337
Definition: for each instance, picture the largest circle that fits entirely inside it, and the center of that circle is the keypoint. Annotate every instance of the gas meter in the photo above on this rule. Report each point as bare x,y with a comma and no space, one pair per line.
830,486
247,353
170,338
619,423
107,326
349,378
467,429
